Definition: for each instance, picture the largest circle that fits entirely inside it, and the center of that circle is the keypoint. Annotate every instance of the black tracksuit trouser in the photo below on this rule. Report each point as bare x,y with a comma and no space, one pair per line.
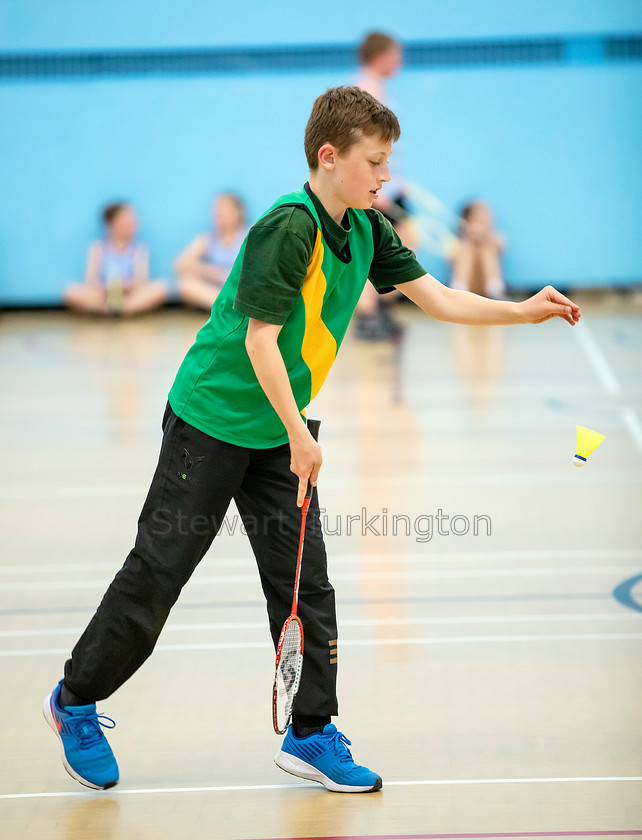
196,478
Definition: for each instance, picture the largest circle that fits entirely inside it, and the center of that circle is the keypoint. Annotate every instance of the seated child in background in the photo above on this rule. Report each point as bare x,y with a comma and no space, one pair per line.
203,266
475,253
117,274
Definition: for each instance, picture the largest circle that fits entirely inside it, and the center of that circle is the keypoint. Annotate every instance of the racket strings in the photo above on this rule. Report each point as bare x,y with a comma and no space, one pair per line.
288,672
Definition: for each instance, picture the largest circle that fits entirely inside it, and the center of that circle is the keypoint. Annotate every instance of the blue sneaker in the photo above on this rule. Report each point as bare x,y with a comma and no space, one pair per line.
85,752
324,757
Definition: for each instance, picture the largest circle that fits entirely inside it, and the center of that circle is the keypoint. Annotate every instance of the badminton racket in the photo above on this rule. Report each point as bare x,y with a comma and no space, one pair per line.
289,651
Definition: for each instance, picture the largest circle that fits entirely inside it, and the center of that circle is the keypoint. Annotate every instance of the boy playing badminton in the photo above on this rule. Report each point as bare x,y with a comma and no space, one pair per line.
233,429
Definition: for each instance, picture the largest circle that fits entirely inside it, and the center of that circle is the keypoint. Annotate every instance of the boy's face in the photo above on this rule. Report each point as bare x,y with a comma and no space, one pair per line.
360,172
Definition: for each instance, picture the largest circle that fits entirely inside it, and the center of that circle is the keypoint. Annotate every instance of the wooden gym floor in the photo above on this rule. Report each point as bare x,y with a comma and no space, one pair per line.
490,649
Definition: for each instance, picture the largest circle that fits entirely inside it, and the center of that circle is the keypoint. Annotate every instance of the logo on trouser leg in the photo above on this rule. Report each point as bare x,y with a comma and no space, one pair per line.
191,466
333,651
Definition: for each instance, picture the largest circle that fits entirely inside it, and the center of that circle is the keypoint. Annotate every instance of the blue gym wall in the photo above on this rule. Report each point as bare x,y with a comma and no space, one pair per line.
555,147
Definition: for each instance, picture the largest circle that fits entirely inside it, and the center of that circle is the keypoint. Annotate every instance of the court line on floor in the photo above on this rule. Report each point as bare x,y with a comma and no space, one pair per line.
353,622
395,641
231,788
632,423
624,593
418,599
607,377
18,494
396,574
596,357
485,836
423,556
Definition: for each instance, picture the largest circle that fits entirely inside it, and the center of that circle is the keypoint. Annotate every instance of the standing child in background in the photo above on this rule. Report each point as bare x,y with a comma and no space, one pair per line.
380,58
117,274
234,428
204,265
475,253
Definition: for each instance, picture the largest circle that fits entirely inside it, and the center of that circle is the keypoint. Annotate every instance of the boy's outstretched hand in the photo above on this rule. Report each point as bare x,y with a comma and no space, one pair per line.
549,303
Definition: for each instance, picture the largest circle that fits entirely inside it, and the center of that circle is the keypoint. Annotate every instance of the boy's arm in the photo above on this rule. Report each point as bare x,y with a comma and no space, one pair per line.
459,307
269,367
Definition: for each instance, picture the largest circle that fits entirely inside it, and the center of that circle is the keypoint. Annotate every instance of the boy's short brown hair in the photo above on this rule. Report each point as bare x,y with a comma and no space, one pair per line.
374,45
342,116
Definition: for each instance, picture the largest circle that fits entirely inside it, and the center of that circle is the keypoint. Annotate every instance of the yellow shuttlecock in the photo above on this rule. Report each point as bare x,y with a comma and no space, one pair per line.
587,441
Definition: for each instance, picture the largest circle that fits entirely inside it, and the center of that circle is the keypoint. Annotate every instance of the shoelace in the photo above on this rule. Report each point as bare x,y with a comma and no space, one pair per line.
87,729
340,744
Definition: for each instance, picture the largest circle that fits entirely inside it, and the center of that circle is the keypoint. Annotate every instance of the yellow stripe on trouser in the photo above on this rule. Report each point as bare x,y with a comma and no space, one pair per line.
319,347
333,651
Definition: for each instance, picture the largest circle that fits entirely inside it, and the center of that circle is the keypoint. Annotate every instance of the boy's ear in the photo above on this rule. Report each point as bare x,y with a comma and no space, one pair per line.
327,156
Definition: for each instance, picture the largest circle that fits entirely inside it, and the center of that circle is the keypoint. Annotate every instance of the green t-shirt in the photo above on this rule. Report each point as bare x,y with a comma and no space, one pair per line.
300,269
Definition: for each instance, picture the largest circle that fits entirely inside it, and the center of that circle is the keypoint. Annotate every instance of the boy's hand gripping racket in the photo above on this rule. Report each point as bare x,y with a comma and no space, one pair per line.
289,652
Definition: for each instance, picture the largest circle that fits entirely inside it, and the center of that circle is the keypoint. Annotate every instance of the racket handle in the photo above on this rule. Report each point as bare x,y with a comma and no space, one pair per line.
313,427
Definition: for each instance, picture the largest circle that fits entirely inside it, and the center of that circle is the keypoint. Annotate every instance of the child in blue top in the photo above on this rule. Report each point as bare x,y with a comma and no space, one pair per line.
117,274
204,265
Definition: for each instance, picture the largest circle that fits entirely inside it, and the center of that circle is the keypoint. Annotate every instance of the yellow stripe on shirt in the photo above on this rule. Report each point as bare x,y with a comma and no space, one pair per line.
319,347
